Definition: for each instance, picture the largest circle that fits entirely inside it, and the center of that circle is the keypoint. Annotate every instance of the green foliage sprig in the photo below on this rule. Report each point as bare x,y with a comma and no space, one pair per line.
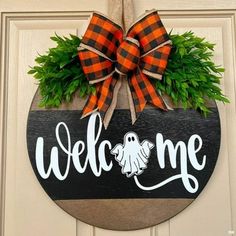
59,73
191,77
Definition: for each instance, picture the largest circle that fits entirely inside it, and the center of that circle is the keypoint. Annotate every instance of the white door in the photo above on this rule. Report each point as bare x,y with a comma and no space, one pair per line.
26,27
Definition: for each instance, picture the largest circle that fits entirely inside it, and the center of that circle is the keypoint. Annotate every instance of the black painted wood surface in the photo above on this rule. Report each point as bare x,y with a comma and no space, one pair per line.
175,125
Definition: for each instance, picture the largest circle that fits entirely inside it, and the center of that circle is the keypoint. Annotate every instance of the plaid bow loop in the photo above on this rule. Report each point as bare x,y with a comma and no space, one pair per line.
106,53
128,55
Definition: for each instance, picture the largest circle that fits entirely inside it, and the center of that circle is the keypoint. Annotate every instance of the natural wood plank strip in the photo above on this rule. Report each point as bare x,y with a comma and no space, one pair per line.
122,102
120,214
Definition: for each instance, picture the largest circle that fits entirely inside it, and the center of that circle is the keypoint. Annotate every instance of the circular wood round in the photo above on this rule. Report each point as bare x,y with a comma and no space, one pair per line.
115,204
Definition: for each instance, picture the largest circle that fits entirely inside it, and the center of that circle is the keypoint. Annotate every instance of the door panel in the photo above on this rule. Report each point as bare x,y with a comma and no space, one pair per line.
211,215
25,207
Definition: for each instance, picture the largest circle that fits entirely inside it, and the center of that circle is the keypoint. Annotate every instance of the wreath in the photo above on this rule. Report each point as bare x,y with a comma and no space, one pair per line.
190,79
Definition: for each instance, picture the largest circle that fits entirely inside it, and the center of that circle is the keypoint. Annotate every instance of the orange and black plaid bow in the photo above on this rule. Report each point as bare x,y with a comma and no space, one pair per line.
106,53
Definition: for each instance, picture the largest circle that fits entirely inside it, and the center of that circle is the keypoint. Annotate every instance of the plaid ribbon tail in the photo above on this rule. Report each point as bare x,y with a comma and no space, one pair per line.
153,96
104,100
143,91
136,89
91,104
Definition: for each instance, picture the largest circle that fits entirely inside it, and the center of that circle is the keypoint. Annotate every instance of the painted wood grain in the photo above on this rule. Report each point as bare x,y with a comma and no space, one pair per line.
177,125
71,194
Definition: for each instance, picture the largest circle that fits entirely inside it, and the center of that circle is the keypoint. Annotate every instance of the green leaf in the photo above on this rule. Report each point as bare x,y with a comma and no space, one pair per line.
32,71
191,77
182,51
59,72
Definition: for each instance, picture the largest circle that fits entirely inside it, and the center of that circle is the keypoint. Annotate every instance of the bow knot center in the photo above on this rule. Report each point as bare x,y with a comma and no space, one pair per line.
128,55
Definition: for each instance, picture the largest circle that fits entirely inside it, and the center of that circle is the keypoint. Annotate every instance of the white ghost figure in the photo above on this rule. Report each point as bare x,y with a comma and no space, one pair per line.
131,155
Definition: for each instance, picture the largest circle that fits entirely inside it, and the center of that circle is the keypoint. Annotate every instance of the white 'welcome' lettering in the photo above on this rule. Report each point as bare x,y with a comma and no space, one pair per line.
75,153
187,154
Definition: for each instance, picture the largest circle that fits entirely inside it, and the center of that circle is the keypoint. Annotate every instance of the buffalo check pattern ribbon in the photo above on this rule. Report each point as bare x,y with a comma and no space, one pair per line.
107,55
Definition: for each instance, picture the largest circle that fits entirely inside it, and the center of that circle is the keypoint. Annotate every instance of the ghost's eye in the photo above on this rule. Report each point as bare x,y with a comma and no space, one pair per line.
129,139
132,138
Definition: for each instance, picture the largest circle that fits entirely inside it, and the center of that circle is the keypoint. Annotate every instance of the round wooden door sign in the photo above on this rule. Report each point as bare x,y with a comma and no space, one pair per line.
128,176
